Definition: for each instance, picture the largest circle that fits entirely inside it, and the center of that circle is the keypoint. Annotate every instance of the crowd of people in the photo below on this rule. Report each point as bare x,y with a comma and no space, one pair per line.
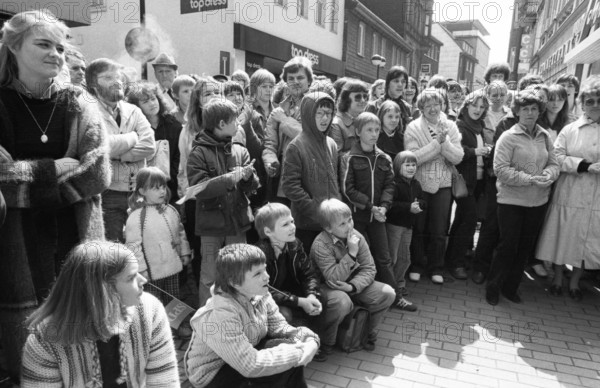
292,201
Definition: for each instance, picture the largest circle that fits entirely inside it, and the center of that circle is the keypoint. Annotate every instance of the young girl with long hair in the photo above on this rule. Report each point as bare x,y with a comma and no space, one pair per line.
98,328
156,235
391,138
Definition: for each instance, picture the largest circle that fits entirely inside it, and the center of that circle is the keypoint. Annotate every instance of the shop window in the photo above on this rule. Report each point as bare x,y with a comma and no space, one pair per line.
320,13
333,15
375,45
302,7
383,43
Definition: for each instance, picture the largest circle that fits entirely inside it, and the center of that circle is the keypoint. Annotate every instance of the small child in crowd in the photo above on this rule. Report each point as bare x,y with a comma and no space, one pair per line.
292,273
367,183
346,264
155,234
222,209
408,203
240,338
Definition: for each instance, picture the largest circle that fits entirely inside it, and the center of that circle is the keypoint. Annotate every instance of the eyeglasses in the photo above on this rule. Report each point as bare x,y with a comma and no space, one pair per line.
358,97
591,101
320,115
431,106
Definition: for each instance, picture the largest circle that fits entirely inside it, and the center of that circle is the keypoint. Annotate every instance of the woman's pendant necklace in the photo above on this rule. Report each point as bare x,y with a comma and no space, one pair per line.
44,137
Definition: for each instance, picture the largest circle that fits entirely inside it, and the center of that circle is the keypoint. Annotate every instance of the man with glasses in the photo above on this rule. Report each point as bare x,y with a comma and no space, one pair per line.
131,141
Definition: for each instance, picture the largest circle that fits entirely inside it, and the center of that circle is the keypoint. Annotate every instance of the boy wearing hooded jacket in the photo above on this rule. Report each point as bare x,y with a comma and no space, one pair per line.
223,212
310,169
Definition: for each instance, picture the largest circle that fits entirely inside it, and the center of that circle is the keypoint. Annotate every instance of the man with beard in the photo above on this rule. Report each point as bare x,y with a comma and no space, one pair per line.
131,141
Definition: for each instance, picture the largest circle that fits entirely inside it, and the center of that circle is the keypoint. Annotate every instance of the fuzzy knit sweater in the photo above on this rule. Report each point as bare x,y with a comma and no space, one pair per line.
149,355
432,171
164,240
228,329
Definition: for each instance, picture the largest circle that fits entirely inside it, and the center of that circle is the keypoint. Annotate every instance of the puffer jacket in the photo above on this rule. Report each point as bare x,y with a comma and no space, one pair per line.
310,170
222,206
302,273
365,184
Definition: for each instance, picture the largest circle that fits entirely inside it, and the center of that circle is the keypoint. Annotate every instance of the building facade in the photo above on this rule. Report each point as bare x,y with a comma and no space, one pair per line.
366,35
411,19
218,37
430,63
75,13
457,59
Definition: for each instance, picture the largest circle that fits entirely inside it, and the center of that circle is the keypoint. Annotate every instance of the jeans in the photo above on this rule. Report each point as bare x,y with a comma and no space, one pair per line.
377,298
489,232
519,228
376,235
210,250
114,207
399,238
432,223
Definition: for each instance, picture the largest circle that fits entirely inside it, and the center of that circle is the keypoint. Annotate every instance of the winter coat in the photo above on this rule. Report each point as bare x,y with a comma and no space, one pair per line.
228,329
432,157
468,166
302,273
130,144
222,206
364,184
405,192
163,240
519,156
310,170
571,231
32,187
170,129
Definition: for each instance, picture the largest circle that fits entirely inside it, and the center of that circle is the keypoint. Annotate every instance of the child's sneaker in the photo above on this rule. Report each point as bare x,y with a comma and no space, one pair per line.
369,345
323,352
403,304
414,276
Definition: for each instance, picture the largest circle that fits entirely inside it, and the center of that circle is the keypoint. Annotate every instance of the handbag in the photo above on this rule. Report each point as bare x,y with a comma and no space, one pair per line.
161,158
459,186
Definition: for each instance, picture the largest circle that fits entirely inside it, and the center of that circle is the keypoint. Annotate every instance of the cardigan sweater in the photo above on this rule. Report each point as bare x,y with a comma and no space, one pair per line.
149,353
31,186
433,172
228,329
164,240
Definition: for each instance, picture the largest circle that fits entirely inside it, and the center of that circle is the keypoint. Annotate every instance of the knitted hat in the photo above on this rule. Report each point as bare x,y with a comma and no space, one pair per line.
165,59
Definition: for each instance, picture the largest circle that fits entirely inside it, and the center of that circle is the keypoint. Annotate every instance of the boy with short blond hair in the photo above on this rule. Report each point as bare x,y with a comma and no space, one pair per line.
293,276
224,167
347,267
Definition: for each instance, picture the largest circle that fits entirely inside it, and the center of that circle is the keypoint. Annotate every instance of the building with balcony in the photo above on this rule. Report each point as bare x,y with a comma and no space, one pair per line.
221,36
366,35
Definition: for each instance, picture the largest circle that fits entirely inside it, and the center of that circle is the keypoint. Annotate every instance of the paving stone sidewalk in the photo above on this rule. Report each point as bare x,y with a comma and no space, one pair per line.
457,340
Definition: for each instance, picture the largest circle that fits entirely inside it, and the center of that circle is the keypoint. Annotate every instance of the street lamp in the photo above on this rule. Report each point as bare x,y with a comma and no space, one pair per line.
378,61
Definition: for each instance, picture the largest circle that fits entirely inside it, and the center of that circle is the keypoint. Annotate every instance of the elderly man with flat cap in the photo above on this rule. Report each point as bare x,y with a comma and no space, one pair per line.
165,71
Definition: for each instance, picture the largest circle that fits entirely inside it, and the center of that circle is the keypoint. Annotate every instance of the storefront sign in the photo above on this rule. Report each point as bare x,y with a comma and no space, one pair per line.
266,45
191,6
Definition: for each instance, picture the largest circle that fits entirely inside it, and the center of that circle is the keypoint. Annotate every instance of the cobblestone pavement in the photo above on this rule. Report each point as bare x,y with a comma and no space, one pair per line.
456,339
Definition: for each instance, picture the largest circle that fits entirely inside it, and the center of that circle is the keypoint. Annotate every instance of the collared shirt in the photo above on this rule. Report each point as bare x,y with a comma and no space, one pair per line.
114,112
47,93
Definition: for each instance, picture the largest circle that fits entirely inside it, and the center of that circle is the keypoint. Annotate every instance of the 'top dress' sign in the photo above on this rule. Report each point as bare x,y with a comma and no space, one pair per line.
190,6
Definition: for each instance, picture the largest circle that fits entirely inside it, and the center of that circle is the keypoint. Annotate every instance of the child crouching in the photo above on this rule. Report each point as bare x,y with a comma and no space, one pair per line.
228,347
294,279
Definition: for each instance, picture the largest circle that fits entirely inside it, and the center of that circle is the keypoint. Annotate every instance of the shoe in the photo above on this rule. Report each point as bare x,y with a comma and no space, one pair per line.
492,296
369,346
459,273
539,270
327,349
576,294
555,290
403,304
402,291
320,356
437,279
513,298
478,277
414,276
